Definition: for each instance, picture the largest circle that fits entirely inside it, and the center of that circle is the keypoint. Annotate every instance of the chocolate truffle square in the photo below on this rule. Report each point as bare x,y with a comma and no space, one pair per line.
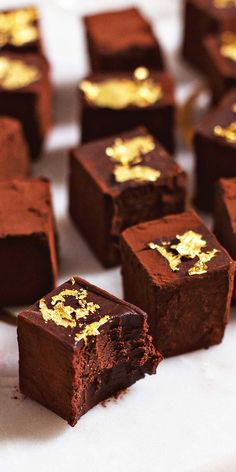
14,156
118,182
225,216
215,150
79,345
25,94
115,102
20,30
221,52
27,241
175,270
204,17
121,40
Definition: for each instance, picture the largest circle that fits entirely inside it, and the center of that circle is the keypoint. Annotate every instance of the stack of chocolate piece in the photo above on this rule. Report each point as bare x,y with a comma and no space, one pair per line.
127,196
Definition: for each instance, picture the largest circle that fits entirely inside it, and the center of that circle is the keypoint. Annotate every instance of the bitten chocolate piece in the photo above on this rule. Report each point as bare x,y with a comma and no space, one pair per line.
118,182
221,52
20,30
204,17
25,94
27,241
176,270
113,103
93,346
121,40
225,216
14,157
215,150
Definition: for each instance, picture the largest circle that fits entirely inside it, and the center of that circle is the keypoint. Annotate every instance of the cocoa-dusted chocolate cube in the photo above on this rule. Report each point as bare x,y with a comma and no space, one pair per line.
215,150
94,345
116,102
204,17
121,40
14,156
221,52
175,270
27,241
118,182
225,216
25,94
20,30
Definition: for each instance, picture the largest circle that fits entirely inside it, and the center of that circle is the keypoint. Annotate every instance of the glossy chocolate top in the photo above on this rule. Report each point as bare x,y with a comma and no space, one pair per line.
77,312
165,233
219,9
101,167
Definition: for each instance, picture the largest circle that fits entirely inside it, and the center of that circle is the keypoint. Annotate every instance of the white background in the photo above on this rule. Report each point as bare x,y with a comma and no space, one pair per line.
184,418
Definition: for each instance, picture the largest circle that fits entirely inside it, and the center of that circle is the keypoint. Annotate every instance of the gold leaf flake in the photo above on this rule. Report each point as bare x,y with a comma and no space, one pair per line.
190,246
220,4
118,93
91,330
17,27
130,151
60,315
139,173
16,74
228,45
173,259
228,133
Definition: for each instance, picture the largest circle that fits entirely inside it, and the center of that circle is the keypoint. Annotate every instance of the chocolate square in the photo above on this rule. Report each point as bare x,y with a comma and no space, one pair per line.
14,156
221,52
116,102
215,150
175,270
225,216
121,40
27,241
107,197
25,94
20,30
93,346
204,17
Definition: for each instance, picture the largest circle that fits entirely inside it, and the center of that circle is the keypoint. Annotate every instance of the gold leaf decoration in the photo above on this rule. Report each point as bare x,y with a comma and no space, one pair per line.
228,133
15,74
139,173
67,316
189,246
130,151
17,27
228,45
119,93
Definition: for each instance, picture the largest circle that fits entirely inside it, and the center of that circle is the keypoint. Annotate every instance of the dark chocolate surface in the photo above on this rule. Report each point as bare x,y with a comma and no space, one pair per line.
14,156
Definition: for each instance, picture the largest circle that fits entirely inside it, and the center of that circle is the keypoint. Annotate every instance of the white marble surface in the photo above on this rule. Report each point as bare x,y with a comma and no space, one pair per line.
184,418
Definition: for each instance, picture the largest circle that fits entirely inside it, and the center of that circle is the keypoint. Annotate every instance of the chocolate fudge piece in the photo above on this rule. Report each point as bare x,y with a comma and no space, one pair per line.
14,156
215,150
221,52
115,103
27,241
25,94
176,270
121,40
118,182
93,346
225,216
20,30
204,17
